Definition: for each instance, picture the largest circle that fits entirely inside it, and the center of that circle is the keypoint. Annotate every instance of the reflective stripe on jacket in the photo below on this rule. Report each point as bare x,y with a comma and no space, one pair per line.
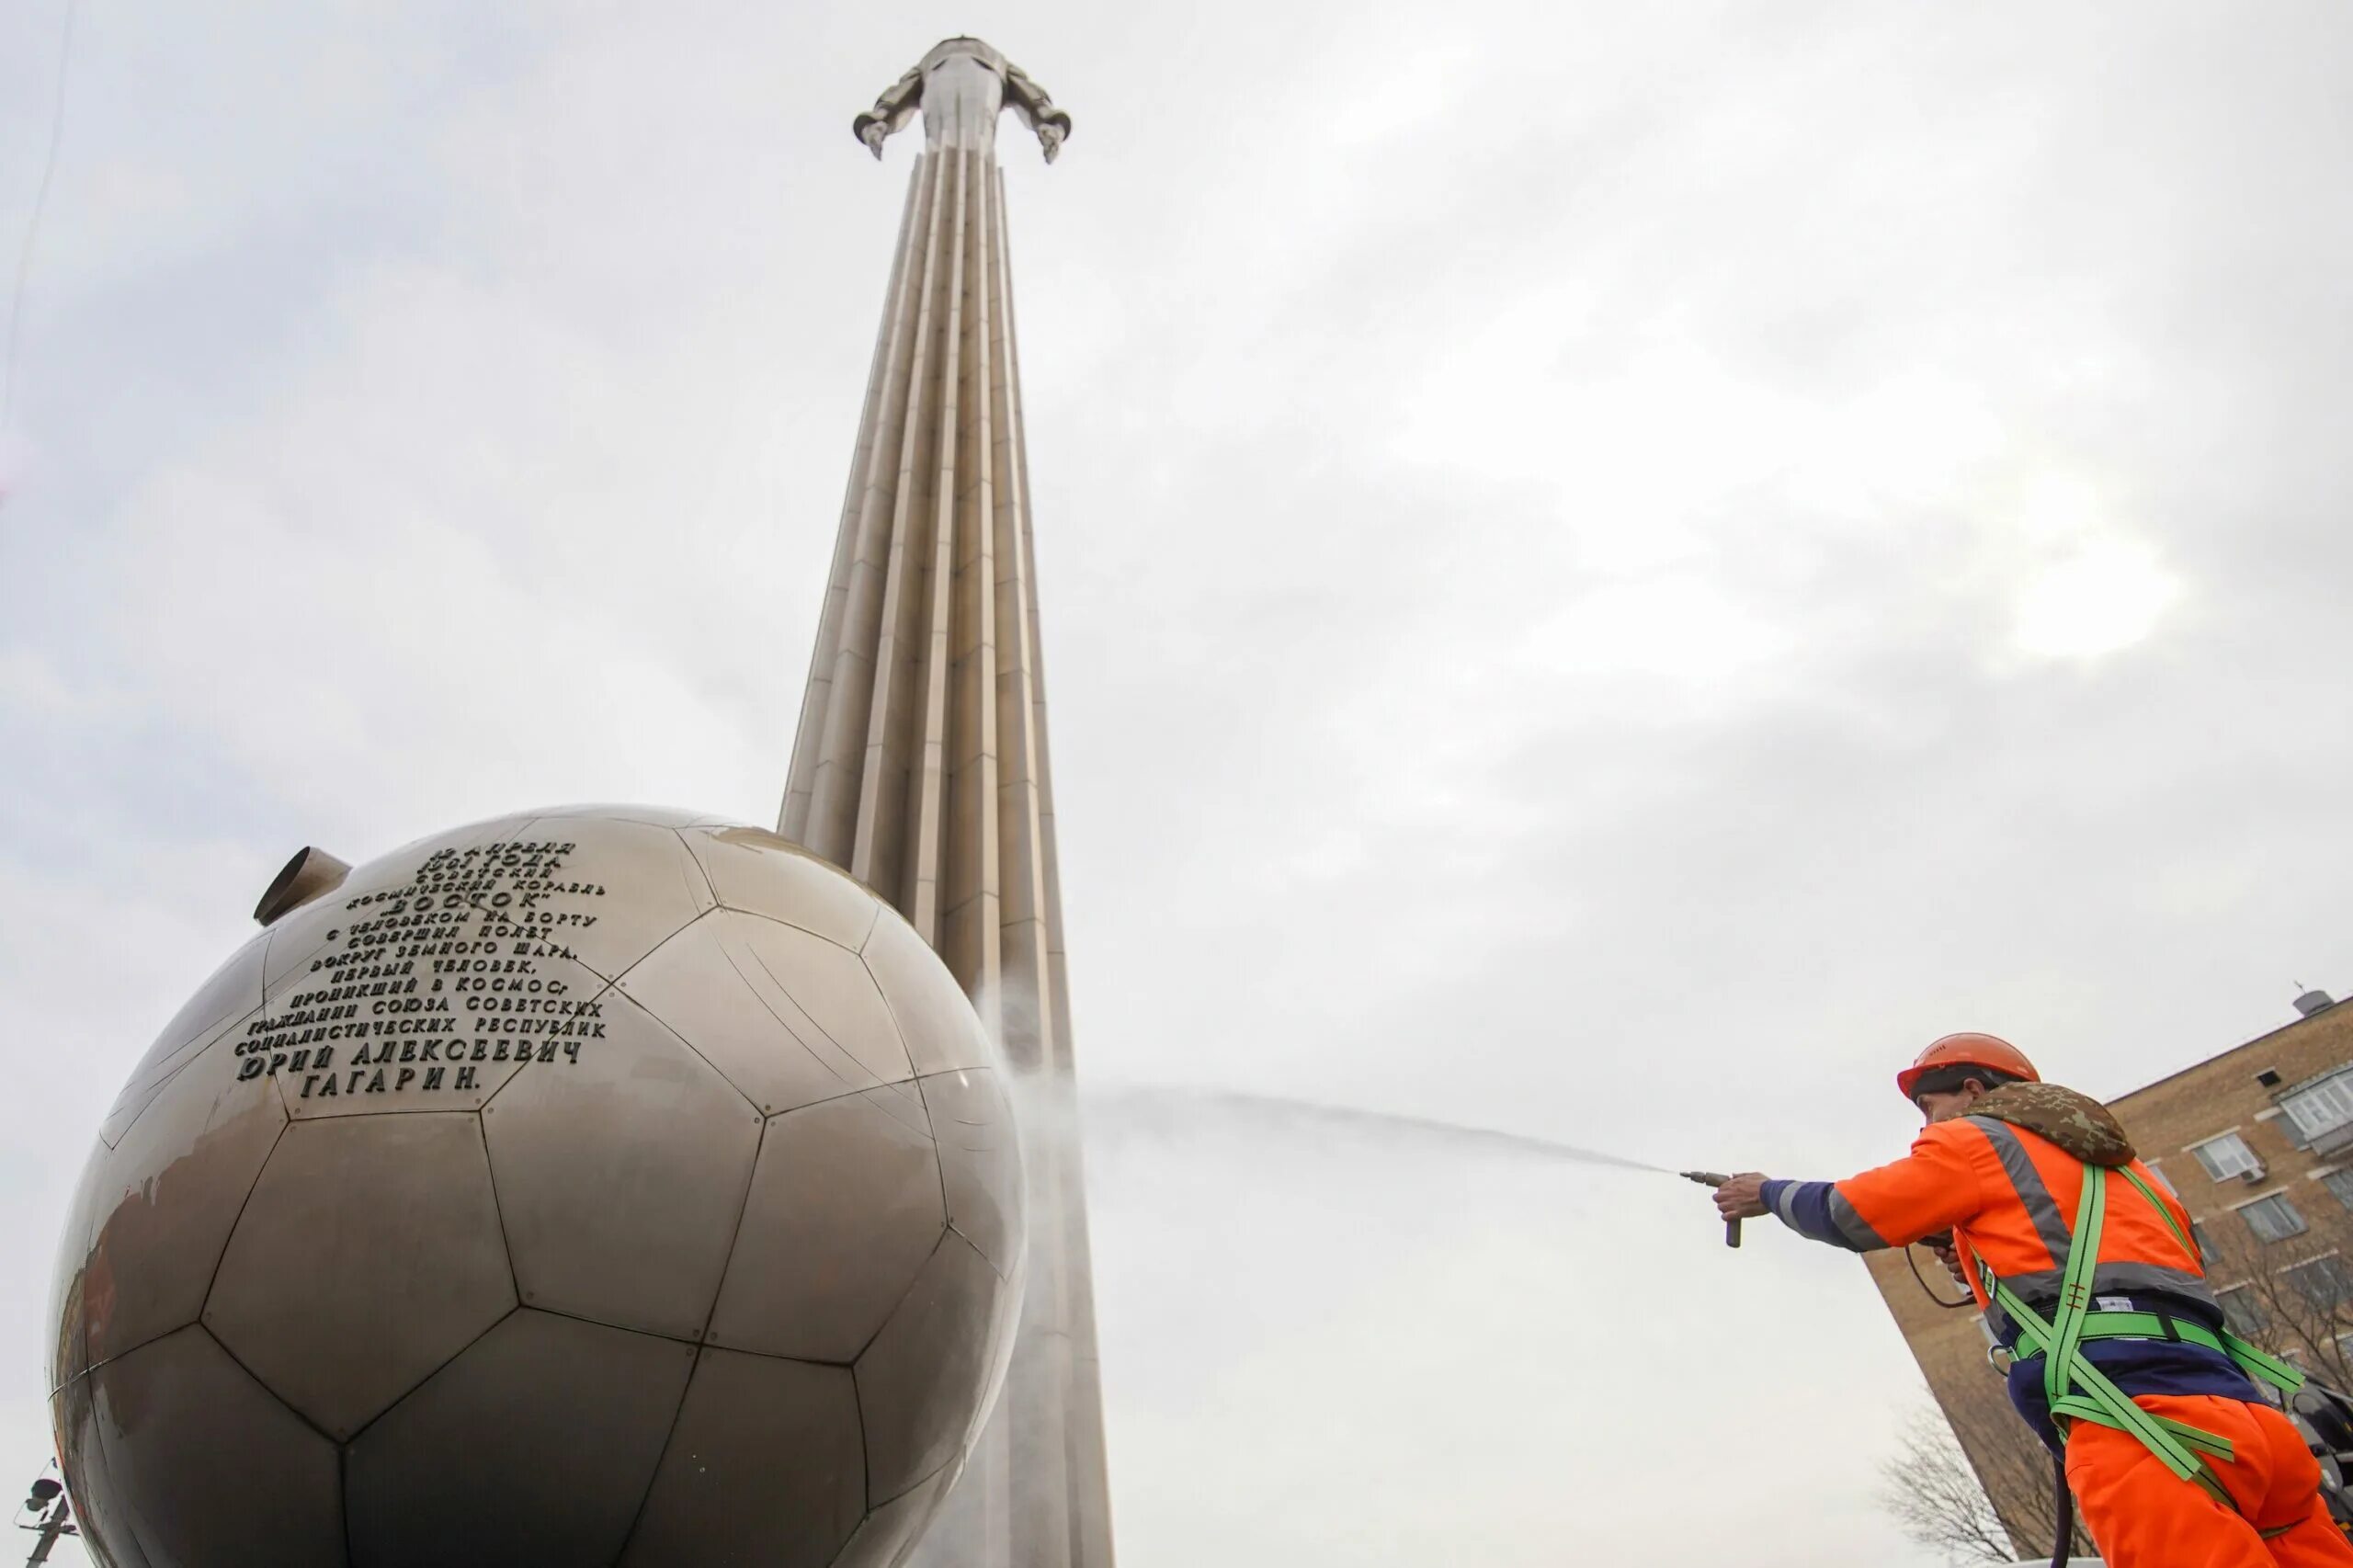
2005,1194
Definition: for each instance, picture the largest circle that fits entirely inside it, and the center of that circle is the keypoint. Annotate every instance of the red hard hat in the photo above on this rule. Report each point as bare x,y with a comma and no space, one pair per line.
1968,1050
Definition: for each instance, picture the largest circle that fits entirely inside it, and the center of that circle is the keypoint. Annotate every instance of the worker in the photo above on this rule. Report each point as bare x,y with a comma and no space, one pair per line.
2121,1359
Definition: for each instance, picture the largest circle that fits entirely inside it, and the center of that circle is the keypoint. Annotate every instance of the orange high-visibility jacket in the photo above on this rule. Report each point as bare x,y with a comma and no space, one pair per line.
2009,1196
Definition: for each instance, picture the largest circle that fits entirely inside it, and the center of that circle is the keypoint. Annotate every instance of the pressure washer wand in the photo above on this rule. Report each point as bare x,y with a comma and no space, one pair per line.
1710,1178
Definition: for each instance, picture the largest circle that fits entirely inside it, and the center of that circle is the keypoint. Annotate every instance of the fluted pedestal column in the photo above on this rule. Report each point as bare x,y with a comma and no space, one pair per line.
921,762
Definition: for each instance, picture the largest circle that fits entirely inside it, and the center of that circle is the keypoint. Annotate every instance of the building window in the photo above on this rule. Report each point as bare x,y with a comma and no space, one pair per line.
2272,1218
2239,1309
2326,1282
2226,1156
2164,1180
2198,1234
2340,1186
2324,1108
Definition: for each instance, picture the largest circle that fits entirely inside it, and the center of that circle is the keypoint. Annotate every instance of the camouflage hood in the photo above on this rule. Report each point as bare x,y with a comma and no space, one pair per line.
2077,1123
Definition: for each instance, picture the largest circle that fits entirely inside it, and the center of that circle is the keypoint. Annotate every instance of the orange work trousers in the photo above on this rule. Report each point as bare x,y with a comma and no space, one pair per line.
2143,1515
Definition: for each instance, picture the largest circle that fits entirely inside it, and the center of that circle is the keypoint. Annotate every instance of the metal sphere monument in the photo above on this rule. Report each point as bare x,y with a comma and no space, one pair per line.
611,1186
592,1185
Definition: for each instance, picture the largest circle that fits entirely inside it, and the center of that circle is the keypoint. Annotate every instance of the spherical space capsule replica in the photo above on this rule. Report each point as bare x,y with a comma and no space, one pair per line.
592,1185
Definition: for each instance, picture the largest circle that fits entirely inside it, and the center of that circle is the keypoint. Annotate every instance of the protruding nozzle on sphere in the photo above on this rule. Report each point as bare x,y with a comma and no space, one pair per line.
961,87
312,873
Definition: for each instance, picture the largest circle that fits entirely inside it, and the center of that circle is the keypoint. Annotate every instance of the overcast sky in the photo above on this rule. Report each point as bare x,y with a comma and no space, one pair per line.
1606,571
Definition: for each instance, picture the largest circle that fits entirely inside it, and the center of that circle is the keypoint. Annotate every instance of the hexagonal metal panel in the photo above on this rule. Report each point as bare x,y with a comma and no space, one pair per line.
896,1525
368,1254
89,1480
834,990
164,1201
941,1031
767,1466
980,1155
232,992
536,1446
763,873
209,1468
568,898
845,1206
921,1384
787,1018
621,1176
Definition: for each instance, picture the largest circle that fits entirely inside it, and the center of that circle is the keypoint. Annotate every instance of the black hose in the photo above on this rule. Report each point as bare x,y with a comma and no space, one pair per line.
1913,1264
2062,1503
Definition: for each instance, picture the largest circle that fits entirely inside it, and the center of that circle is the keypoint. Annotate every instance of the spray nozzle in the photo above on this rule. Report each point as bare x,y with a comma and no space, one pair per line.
1712,1178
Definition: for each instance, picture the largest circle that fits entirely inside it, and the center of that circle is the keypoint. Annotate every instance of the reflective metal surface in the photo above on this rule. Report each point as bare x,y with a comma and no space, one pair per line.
230,994
759,872
368,1254
721,1498
457,1296
650,816
980,1159
622,1179
536,1446
921,1383
962,86
165,1197
211,1469
89,1479
69,1346
845,1206
788,1017
896,1525
666,887
941,1030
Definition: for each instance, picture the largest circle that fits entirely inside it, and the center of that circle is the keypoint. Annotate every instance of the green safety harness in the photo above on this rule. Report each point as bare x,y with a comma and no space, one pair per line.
2077,1390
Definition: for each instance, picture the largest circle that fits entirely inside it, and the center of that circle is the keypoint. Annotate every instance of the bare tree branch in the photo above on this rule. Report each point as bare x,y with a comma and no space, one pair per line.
2285,1295
1941,1499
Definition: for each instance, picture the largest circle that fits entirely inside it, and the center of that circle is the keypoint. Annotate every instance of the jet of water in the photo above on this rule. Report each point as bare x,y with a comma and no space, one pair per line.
1282,1112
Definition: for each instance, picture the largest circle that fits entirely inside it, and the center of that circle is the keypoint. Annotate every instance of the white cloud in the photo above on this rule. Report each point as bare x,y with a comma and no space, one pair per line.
2100,597
2084,584
1686,632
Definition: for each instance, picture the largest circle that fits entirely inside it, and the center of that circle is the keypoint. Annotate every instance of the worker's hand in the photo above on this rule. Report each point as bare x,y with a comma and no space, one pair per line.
1743,1198
1949,1259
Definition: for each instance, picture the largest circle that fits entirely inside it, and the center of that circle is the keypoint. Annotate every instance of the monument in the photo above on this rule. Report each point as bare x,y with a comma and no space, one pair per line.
921,762
601,1185
606,1185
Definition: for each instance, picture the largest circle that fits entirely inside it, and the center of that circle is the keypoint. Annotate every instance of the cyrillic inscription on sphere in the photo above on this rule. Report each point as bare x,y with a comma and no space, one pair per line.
431,980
